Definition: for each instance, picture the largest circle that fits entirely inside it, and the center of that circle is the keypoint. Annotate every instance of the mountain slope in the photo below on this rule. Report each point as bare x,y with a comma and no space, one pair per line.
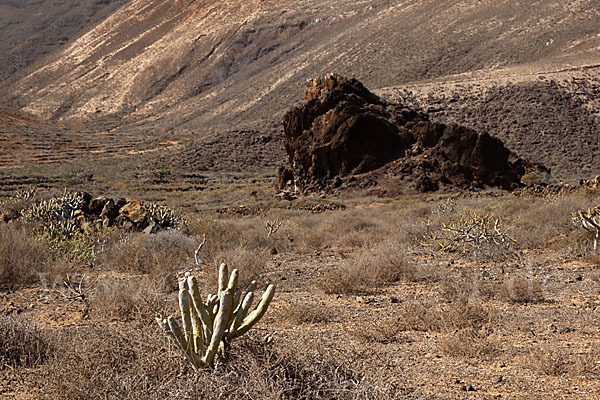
178,66
214,60
32,29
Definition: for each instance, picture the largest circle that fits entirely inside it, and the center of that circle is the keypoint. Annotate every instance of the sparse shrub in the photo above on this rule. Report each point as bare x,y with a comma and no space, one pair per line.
22,259
523,290
381,331
369,268
104,362
127,298
162,254
549,361
468,287
446,318
537,223
590,221
251,264
469,343
22,343
472,232
299,313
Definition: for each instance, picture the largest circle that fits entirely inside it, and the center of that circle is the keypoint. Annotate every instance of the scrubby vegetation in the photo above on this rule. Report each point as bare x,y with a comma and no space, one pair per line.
369,303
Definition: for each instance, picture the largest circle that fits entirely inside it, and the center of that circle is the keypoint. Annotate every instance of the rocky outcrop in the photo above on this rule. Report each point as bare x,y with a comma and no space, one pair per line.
343,130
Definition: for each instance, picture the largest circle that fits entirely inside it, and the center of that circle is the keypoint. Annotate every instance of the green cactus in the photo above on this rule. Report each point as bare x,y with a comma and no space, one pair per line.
208,327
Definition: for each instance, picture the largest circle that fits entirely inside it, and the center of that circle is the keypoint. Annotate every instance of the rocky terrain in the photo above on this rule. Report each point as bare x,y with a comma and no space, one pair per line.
404,271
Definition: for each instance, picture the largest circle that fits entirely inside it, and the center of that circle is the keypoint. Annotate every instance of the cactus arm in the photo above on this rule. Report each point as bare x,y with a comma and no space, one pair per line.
233,280
222,278
179,338
235,305
219,327
238,303
240,314
200,307
257,314
185,303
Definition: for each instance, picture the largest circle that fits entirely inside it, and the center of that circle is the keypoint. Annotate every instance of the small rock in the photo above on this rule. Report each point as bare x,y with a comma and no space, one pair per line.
469,388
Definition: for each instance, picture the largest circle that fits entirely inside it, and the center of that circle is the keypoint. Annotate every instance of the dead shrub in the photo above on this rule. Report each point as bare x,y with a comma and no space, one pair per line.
251,263
104,362
300,313
585,364
468,343
556,362
367,269
381,331
537,223
161,254
22,343
523,290
22,259
446,318
549,361
468,287
128,298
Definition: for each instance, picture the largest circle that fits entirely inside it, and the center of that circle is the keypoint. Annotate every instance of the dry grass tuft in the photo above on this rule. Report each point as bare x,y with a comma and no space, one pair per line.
446,318
387,262
105,362
553,362
23,260
128,298
22,343
381,331
523,290
557,362
162,254
299,313
251,263
469,343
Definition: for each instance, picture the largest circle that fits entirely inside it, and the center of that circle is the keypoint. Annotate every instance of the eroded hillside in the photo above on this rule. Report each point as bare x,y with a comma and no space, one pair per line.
204,66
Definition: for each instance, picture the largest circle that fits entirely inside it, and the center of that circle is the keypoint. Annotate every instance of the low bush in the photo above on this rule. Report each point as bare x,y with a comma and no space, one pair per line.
23,343
23,260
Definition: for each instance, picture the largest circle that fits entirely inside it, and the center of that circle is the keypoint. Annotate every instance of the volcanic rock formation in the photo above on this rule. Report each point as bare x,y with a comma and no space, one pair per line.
343,130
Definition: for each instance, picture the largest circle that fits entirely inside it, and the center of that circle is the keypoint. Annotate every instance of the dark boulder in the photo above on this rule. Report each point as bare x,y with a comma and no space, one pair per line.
342,129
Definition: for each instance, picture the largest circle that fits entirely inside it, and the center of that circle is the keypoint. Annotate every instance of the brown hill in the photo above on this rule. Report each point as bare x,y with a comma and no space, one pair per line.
172,67
30,30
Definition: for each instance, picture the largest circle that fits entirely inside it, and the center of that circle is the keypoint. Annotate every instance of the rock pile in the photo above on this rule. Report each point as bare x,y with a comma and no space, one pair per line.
128,214
345,135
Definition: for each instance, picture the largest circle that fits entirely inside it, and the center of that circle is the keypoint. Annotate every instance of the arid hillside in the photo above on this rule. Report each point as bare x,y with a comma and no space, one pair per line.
33,29
169,67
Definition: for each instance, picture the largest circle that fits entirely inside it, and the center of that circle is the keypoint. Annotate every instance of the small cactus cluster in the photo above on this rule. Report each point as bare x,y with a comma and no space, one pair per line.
473,231
24,194
209,326
54,209
163,215
590,221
